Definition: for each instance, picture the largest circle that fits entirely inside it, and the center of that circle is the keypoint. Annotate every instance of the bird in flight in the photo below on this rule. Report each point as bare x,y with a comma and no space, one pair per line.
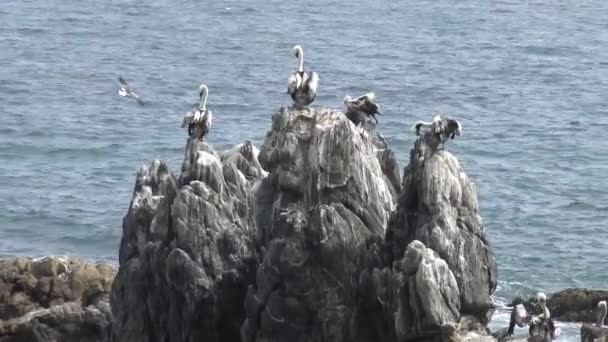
125,90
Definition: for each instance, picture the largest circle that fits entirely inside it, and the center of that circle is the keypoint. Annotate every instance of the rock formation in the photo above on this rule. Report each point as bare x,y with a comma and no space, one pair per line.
327,193
313,238
187,252
54,299
440,270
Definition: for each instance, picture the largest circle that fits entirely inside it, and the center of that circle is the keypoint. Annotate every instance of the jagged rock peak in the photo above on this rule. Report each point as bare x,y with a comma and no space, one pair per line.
319,154
187,252
326,195
438,208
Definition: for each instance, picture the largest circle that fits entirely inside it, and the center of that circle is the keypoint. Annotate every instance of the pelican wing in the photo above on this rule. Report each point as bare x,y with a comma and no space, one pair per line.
188,117
371,107
293,83
312,83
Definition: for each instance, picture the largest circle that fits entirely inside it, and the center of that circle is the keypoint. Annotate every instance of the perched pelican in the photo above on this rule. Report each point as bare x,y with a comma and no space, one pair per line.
542,325
302,85
599,332
442,128
199,119
602,308
361,108
125,90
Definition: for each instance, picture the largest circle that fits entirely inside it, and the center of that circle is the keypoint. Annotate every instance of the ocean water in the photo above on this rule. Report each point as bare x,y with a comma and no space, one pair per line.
527,79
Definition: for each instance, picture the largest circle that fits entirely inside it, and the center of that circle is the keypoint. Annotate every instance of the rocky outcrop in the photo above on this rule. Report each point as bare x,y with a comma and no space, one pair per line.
569,305
439,265
314,238
187,252
327,193
54,299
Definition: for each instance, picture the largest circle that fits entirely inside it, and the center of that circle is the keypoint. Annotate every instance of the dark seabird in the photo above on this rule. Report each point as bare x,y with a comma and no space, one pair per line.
443,128
361,108
125,90
302,85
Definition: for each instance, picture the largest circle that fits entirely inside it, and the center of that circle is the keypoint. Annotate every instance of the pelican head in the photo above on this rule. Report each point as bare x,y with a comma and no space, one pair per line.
602,308
455,127
347,99
541,298
458,128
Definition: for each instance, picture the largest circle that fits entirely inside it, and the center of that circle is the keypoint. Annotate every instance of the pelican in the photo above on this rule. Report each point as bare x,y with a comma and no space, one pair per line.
361,108
542,325
302,85
602,308
599,332
200,117
440,127
125,90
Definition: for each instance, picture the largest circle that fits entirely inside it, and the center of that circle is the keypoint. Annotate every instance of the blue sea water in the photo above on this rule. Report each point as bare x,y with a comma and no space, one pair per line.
527,79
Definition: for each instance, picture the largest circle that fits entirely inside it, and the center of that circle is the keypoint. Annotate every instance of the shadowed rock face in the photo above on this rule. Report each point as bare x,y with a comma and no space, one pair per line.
54,299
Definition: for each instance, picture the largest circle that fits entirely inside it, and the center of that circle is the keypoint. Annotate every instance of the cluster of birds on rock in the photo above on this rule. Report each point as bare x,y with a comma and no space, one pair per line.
302,87
542,328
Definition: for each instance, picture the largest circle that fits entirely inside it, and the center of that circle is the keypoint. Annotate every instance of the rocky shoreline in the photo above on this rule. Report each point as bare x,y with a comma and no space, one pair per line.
315,237
54,299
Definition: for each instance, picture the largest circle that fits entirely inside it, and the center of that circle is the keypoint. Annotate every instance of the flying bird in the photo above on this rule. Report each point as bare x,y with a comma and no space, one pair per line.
125,90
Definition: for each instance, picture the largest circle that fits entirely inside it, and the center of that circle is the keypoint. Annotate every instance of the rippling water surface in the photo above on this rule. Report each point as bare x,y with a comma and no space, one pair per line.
528,80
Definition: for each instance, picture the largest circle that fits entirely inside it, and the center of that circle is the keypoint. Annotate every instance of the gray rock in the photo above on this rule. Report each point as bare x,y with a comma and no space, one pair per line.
313,238
187,252
438,207
327,192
